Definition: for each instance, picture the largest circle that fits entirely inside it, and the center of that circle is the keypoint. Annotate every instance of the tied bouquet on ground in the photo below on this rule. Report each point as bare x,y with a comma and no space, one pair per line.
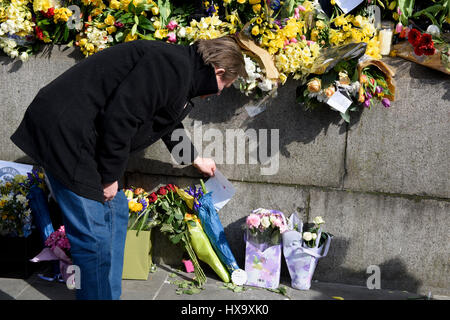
180,215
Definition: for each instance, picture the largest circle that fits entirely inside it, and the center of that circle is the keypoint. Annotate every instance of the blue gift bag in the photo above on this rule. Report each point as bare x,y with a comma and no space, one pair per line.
40,211
214,230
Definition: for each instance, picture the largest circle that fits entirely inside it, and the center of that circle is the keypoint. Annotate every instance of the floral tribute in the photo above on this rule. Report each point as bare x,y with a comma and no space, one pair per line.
263,247
295,33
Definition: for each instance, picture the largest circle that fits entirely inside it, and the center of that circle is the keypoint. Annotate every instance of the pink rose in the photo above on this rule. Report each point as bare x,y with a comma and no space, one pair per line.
172,37
253,221
172,25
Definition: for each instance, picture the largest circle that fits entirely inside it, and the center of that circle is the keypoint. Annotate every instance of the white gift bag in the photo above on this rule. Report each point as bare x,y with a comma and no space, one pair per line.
300,259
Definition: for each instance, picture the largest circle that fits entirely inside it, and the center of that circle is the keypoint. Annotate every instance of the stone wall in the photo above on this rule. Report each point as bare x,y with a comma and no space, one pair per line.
381,183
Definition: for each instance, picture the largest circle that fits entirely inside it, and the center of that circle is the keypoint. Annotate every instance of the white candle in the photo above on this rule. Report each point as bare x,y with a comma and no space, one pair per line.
385,38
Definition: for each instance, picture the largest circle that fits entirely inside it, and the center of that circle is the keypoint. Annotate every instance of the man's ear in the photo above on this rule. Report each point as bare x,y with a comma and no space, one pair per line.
220,71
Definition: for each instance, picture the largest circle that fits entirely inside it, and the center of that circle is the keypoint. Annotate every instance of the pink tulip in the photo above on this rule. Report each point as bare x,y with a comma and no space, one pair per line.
303,37
398,27
310,42
301,8
293,40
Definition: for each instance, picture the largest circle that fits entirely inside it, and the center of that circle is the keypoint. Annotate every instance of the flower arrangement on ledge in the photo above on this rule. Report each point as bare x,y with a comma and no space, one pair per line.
294,33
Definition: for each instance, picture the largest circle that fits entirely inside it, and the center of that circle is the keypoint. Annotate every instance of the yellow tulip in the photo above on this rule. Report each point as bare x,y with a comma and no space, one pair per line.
256,8
155,11
129,37
241,1
186,197
111,29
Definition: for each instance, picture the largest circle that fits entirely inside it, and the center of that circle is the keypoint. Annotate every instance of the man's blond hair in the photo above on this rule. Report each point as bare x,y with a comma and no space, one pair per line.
223,52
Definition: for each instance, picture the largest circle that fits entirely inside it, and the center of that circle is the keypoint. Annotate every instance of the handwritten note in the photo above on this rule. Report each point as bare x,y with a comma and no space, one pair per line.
222,189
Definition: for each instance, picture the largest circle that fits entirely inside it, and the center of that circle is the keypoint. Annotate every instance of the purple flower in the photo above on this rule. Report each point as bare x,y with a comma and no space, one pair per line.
118,24
386,102
379,89
367,103
368,95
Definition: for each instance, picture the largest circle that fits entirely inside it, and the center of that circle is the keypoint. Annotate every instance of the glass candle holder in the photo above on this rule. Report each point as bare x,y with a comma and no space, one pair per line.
385,37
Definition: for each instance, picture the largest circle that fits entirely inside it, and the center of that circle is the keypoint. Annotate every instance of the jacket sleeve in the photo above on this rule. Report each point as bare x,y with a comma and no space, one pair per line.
179,145
119,122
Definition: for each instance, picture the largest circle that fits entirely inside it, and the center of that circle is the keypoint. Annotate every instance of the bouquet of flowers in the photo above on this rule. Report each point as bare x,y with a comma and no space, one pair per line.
15,212
57,248
263,247
303,245
16,28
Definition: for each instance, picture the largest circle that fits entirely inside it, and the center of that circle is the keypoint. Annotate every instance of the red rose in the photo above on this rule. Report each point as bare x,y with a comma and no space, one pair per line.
170,187
414,37
152,197
162,191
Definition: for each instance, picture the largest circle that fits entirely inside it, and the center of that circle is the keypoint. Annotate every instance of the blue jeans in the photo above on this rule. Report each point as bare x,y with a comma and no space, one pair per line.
96,233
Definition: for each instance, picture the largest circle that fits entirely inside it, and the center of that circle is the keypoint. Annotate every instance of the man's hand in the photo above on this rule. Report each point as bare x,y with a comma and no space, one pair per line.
110,190
207,166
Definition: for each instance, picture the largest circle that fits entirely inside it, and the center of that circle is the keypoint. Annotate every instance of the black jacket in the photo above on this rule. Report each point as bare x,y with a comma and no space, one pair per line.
83,125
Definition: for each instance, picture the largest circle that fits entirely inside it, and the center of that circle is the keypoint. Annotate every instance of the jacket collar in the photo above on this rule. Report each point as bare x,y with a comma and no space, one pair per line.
204,77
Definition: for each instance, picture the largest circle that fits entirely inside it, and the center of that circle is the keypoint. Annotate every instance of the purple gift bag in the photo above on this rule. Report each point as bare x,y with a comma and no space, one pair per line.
263,253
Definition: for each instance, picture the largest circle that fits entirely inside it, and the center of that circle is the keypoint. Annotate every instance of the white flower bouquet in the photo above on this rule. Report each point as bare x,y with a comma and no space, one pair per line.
302,247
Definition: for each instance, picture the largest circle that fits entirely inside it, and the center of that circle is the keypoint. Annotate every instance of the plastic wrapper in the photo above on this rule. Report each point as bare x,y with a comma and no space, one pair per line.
333,55
213,228
203,248
40,211
300,259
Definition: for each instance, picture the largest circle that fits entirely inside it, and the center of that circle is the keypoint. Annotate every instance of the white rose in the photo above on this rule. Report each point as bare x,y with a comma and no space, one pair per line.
24,56
314,236
14,54
318,220
307,236
182,32
265,85
265,222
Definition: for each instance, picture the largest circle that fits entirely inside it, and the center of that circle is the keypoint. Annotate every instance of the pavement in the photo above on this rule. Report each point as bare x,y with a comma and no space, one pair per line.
167,283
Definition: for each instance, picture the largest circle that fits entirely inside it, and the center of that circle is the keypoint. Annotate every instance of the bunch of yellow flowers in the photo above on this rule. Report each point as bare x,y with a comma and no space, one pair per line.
206,28
62,15
355,29
296,59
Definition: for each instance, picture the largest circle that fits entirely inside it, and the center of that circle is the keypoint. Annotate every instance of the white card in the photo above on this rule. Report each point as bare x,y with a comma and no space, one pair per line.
9,169
348,5
339,102
222,189
253,110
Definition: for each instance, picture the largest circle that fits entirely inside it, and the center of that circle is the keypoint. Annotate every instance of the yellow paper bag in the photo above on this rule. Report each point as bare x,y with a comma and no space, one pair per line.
137,259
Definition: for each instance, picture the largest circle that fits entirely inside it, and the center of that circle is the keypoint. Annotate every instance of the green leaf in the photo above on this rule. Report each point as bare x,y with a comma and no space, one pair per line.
136,20
131,7
144,23
66,33
134,29
146,37
345,116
